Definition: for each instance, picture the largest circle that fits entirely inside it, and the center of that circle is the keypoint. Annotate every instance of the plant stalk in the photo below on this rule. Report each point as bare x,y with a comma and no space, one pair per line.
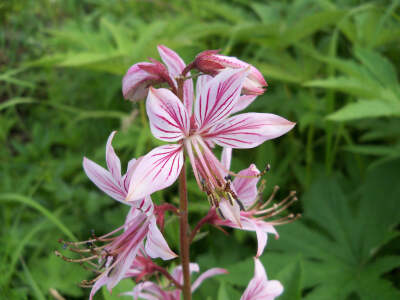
184,234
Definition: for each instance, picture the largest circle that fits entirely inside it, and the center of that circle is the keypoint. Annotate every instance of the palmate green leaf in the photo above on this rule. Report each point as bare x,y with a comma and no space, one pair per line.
310,24
366,109
339,240
291,277
380,67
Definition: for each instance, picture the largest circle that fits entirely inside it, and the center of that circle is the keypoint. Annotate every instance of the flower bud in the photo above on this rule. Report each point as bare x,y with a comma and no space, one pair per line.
140,76
210,62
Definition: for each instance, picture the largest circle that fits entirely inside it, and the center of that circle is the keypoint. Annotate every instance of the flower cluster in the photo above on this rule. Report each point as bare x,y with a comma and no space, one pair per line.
193,121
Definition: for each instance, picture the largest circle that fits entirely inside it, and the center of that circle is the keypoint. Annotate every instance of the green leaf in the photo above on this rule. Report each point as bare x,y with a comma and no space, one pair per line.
339,239
222,293
30,202
366,109
16,101
380,67
123,286
291,278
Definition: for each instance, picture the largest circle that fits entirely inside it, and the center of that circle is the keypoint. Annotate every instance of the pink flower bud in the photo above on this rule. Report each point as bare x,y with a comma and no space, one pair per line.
210,62
140,76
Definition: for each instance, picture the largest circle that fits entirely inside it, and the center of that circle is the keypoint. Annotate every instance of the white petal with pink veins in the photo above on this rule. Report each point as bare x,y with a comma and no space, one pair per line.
175,66
248,130
169,120
103,180
216,99
157,170
207,274
245,185
156,245
259,288
113,162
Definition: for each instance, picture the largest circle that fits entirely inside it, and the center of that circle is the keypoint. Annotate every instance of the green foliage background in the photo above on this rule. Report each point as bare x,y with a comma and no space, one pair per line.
332,67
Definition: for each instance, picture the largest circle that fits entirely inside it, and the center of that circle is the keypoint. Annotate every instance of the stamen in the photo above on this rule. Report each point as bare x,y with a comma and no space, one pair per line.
241,206
219,211
278,208
286,220
78,260
271,198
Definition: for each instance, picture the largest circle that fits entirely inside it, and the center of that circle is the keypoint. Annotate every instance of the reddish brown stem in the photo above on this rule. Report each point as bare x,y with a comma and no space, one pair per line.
184,237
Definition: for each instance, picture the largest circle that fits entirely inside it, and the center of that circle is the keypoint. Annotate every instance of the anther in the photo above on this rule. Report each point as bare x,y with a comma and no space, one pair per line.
240,204
228,177
220,213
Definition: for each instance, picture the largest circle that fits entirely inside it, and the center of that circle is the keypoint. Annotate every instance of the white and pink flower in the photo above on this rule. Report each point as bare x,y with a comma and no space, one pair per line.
210,62
197,132
260,288
152,291
117,253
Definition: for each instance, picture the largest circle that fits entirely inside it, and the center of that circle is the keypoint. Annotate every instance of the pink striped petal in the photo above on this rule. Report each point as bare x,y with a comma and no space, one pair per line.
217,98
259,288
147,290
169,120
248,130
126,179
207,274
243,102
103,180
112,160
231,212
175,66
246,186
156,170
177,273
156,245
202,81
136,81
226,158
262,237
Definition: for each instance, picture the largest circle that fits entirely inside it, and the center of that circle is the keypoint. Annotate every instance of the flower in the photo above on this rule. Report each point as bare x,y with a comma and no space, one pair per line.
210,62
118,253
259,287
140,76
210,124
114,258
151,291
246,213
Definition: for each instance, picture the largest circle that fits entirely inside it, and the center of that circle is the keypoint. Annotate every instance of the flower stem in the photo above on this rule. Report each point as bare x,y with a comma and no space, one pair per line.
184,234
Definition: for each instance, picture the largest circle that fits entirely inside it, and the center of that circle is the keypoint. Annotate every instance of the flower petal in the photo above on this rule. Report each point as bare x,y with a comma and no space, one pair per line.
231,212
156,170
226,158
243,102
156,245
207,274
217,98
177,273
136,81
169,120
103,180
175,66
248,130
126,179
246,186
259,288
112,160
202,81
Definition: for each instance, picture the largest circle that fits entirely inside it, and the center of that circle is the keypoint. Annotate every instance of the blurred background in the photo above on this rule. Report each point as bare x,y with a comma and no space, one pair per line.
332,67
